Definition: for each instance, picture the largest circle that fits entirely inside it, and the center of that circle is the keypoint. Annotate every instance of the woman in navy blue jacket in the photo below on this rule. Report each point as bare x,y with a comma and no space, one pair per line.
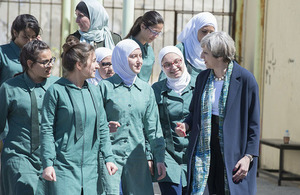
224,123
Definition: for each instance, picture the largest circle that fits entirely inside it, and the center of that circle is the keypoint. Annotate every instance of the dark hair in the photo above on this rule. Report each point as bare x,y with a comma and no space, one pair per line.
150,18
75,52
23,22
31,51
70,40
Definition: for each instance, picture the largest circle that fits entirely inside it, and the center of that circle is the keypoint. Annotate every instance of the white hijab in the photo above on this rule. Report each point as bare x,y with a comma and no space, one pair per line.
176,84
120,60
189,37
101,53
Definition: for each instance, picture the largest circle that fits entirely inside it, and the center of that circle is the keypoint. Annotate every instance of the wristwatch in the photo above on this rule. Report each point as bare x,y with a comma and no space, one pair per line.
250,157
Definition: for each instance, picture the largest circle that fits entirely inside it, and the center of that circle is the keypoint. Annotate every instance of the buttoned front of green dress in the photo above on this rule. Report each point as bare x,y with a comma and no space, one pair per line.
9,61
191,69
21,167
66,111
173,108
148,60
135,109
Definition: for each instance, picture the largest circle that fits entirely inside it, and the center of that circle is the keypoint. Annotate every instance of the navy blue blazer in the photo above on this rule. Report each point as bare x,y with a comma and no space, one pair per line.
241,126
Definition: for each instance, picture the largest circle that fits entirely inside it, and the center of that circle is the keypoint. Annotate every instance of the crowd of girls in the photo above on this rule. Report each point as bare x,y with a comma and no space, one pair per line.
102,129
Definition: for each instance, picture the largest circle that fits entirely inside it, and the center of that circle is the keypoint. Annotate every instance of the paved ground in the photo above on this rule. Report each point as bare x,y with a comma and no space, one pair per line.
267,185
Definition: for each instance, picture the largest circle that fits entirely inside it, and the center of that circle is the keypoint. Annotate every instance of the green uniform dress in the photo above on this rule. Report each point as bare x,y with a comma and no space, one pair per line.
148,60
173,108
21,168
74,128
9,61
135,109
191,69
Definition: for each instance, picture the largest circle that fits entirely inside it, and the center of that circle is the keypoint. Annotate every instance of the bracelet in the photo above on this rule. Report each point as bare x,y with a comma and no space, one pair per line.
250,157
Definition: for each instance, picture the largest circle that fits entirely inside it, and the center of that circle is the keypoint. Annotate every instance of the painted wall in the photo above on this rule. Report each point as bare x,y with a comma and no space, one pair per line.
281,94
276,66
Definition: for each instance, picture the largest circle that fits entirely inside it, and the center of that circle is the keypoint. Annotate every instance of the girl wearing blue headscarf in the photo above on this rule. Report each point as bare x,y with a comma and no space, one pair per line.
131,102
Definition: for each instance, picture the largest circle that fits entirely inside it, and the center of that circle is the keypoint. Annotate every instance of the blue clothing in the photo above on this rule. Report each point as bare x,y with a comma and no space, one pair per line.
241,126
21,168
9,61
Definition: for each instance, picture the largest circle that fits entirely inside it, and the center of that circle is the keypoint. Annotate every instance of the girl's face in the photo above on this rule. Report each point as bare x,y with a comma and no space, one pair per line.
135,61
82,21
91,66
41,68
205,30
105,68
172,65
24,36
149,33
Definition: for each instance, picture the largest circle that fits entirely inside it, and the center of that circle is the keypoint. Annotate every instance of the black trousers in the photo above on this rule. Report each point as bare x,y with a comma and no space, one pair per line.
216,171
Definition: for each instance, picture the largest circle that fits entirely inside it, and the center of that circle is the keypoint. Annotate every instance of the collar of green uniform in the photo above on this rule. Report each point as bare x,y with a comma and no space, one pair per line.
31,85
144,47
66,82
15,48
117,81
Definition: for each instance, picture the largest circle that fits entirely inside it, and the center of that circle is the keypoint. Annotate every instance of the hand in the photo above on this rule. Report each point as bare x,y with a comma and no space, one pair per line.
49,174
181,128
111,168
113,126
150,164
161,170
241,169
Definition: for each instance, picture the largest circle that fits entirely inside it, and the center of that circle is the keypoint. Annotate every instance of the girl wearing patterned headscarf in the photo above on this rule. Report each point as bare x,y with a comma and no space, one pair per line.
130,102
173,97
190,37
92,20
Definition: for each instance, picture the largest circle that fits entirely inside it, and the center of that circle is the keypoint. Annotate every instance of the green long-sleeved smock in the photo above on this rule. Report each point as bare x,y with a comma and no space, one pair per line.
21,167
135,109
9,61
74,128
173,108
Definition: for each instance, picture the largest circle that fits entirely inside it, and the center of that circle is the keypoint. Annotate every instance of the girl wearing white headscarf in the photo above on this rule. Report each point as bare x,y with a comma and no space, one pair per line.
103,58
130,102
190,37
92,20
173,97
